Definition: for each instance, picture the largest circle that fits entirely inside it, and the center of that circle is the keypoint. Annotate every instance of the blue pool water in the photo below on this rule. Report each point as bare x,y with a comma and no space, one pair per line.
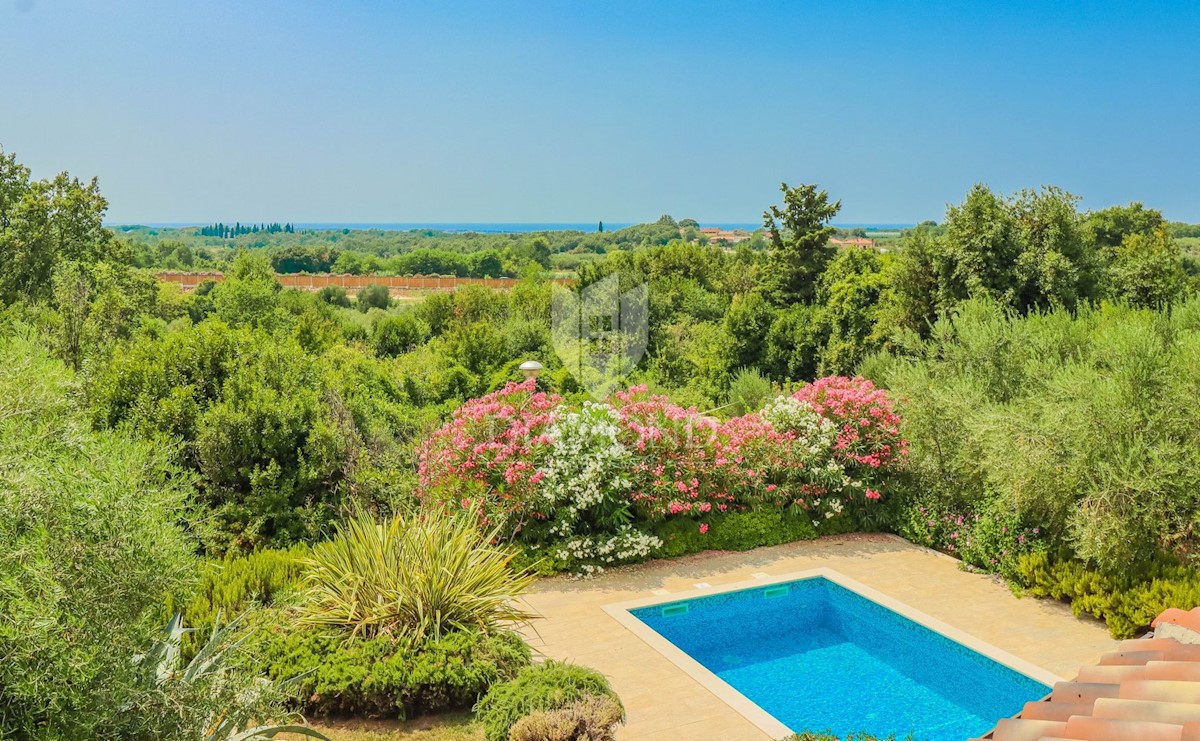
818,656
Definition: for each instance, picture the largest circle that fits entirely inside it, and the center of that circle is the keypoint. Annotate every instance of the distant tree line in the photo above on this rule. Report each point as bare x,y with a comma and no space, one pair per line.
226,231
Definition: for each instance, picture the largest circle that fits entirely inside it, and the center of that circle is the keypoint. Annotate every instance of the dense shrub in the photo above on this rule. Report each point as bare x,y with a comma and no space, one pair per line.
394,335
384,677
373,296
1128,603
92,549
549,686
280,436
335,295
1083,427
735,531
234,584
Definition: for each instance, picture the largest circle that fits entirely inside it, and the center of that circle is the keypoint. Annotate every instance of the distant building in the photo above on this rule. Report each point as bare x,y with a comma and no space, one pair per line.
732,236
853,242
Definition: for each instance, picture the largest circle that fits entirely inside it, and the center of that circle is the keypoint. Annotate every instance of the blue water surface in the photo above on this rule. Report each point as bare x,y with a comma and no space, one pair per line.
818,656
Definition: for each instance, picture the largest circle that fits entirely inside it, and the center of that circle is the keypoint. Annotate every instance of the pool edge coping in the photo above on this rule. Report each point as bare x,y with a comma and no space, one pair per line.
764,721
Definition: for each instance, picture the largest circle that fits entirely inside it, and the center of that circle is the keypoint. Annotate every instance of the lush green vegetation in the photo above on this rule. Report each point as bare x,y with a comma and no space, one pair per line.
93,551
553,701
378,252
364,485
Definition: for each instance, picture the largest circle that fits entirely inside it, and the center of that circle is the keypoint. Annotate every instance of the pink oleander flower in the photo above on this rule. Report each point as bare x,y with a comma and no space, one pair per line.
868,429
703,528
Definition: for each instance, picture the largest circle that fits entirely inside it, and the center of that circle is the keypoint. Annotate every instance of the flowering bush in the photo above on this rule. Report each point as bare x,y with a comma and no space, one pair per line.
584,493
493,445
987,537
584,483
868,431
675,466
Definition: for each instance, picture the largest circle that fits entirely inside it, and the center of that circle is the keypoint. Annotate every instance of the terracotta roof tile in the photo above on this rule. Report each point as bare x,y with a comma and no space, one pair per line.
1146,690
1055,710
1163,712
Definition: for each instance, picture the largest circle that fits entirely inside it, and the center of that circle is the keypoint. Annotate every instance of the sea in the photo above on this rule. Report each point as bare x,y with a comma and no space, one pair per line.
494,227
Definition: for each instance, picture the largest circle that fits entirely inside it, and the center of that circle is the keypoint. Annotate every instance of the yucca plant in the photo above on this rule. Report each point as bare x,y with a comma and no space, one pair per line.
414,577
209,698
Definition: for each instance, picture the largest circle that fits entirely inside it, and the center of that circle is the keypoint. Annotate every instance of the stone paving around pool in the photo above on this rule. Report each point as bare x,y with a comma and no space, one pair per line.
665,703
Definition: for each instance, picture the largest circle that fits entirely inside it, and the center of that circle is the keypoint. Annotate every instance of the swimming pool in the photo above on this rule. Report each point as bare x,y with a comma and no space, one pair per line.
816,655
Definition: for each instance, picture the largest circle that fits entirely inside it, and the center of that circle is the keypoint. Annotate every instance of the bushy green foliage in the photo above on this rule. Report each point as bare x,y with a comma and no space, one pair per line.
384,677
373,296
1083,426
1127,602
394,335
1147,269
851,293
249,295
236,583
280,436
549,686
92,548
735,531
335,295
44,223
748,391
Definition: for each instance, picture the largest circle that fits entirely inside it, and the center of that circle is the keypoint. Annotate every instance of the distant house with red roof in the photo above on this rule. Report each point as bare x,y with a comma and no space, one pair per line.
853,242
717,234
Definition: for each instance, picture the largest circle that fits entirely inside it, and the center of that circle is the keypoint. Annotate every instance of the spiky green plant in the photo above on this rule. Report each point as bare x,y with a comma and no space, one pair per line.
414,577
208,695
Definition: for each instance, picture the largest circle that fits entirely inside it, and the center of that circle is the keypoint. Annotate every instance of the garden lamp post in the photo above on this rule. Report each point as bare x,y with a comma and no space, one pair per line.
531,368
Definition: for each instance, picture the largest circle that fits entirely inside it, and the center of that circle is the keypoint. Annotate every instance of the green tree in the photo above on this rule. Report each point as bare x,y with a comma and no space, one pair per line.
979,252
793,345
1057,265
747,322
1147,269
1110,226
394,335
536,250
799,243
44,223
851,292
916,294
374,296
249,294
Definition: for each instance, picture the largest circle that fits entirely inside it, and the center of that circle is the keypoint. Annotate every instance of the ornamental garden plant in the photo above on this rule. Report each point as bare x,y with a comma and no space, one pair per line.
598,483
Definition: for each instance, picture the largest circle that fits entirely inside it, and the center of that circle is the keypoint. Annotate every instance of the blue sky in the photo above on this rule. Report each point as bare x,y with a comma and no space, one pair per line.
581,111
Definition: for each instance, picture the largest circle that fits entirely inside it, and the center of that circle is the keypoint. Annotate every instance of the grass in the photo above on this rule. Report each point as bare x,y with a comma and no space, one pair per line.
449,727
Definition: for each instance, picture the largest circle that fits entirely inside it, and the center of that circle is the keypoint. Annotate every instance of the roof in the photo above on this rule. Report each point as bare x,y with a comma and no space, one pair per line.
1146,690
